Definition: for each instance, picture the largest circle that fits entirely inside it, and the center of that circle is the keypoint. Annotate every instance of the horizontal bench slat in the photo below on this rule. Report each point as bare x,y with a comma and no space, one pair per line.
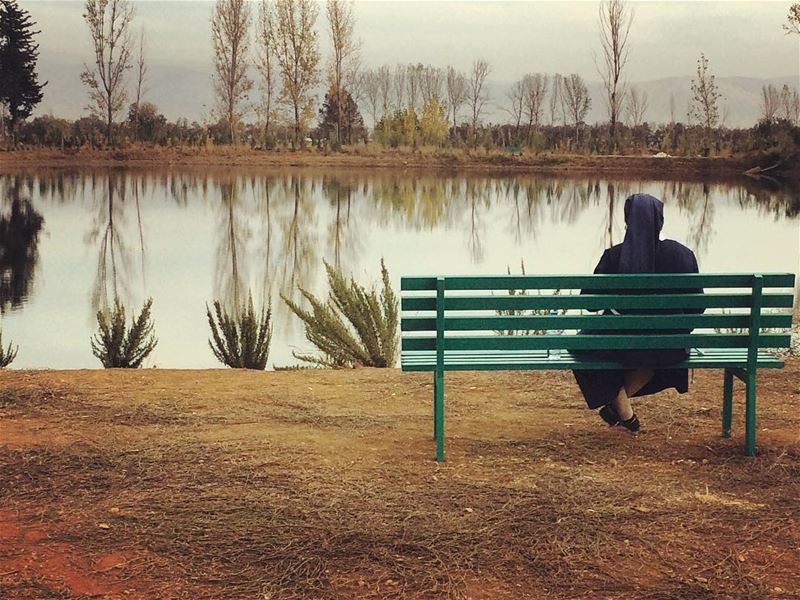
604,282
596,302
509,360
595,342
546,322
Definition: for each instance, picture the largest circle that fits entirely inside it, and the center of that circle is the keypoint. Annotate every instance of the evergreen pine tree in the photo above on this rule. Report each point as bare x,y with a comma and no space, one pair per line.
20,89
345,118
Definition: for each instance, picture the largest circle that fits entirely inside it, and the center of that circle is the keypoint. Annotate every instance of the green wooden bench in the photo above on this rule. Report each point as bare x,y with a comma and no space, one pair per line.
452,324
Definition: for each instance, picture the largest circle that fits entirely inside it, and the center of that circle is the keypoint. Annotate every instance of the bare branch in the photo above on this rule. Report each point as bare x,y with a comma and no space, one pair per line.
109,27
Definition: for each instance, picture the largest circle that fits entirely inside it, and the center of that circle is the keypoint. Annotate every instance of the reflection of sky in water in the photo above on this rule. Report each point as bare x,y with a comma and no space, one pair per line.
218,236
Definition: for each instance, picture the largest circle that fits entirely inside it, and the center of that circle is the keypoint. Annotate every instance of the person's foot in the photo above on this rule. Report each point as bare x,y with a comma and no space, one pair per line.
610,416
631,424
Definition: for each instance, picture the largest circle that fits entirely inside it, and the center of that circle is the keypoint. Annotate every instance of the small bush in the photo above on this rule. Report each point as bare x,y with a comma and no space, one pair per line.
240,341
7,356
118,347
370,339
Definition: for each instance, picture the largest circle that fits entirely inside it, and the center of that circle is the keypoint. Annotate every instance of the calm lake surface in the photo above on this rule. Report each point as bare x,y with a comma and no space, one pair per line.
72,240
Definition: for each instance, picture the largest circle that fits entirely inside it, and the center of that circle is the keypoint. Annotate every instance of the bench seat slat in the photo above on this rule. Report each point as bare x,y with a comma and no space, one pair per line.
539,360
595,342
605,322
671,302
605,282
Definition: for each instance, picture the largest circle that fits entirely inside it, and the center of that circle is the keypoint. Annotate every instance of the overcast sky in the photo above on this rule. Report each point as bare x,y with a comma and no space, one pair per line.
740,38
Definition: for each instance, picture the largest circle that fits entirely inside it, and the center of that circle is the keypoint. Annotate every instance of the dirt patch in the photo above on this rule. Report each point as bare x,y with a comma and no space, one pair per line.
224,484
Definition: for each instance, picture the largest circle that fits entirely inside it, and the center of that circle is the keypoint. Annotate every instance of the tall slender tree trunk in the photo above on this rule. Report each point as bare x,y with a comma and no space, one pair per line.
109,120
297,125
230,123
613,128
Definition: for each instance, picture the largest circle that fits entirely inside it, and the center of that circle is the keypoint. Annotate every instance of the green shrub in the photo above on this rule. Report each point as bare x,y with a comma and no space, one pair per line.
240,341
355,327
118,347
7,356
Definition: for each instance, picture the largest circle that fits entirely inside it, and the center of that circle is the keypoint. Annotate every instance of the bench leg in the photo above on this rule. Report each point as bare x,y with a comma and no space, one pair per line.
727,404
750,415
438,413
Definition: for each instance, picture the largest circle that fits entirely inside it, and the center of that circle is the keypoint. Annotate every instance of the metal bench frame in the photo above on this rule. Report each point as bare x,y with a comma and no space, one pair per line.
429,343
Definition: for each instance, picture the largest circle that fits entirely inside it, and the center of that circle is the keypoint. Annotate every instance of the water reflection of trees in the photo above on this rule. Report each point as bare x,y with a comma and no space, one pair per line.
345,240
20,227
115,273
230,273
274,229
298,258
697,201
267,240
770,197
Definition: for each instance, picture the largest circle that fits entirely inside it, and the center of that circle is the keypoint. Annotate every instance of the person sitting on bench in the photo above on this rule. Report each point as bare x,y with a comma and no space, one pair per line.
640,252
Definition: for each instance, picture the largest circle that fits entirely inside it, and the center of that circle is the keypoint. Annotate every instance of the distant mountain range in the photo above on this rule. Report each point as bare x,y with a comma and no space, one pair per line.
179,91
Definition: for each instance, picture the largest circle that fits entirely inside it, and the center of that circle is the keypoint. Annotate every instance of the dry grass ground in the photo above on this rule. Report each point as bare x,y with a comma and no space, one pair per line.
375,157
223,484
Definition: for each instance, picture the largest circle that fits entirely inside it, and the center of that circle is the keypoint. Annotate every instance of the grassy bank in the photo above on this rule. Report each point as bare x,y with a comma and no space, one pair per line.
224,484
377,158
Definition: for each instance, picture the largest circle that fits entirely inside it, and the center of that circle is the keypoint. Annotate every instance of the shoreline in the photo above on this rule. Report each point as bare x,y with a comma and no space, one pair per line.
634,166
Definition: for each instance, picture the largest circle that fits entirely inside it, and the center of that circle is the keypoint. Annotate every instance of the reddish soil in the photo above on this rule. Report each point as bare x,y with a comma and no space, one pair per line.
321,484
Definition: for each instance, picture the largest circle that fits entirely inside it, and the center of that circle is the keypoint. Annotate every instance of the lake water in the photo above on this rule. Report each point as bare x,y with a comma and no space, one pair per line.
70,240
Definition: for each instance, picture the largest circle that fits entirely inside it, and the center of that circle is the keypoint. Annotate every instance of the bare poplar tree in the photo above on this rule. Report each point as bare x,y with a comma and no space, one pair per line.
636,106
297,55
770,103
705,96
576,100
534,92
266,64
413,83
556,98
344,61
790,105
109,26
372,95
384,78
516,104
399,85
230,25
477,94
672,108
141,75
456,85
431,84
615,24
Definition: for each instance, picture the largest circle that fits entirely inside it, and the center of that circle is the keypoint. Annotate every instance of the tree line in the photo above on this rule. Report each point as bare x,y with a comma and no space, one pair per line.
410,105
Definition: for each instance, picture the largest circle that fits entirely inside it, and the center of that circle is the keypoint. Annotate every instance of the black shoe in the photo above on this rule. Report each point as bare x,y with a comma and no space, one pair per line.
609,415
631,424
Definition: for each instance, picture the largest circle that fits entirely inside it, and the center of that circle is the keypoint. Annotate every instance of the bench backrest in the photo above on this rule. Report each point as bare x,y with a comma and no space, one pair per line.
741,311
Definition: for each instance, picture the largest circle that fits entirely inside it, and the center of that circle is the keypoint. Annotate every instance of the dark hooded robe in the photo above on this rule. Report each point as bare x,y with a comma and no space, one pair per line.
640,252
